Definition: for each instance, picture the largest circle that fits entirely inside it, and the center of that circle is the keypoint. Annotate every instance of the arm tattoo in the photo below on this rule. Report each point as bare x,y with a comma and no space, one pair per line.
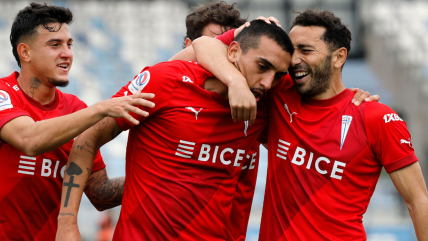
72,170
87,147
34,83
101,125
105,193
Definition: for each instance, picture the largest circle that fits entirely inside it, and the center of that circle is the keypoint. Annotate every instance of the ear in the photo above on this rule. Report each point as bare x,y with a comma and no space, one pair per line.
188,42
24,52
339,57
234,51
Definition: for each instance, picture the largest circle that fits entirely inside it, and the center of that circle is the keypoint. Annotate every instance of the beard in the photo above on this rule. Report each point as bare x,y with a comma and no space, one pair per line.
58,83
320,78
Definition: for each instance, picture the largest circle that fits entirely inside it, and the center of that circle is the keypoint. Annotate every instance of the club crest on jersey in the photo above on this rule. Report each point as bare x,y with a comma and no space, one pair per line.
5,102
139,82
346,123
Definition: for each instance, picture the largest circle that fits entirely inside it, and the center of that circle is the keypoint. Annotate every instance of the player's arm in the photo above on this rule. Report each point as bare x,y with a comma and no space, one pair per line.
411,185
77,172
34,138
104,193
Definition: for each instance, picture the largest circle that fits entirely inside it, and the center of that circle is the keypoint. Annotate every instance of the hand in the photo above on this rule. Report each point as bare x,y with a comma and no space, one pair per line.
238,30
68,233
242,102
361,96
269,20
121,106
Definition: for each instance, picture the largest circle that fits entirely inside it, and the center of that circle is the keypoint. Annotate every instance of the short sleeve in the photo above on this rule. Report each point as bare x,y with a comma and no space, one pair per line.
98,163
9,106
389,137
160,80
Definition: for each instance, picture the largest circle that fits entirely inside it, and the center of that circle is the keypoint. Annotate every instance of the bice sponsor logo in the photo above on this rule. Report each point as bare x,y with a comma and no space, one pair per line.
320,164
5,102
139,82
27,166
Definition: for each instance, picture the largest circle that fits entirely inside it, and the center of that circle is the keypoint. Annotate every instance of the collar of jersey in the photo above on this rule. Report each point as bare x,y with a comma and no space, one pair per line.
329,102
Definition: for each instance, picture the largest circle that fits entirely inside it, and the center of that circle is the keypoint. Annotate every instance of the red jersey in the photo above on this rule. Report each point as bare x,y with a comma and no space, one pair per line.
184,161
325,158
30,192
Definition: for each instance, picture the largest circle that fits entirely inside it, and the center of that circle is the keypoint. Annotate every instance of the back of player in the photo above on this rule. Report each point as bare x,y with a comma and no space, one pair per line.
31,186
184,160
327,158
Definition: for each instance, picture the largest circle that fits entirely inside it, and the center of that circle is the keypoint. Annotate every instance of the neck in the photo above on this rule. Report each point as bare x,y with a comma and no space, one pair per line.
335,88
35,87
215,85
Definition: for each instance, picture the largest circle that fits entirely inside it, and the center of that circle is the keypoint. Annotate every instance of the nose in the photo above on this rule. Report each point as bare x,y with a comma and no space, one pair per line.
295,59
66,52
267,81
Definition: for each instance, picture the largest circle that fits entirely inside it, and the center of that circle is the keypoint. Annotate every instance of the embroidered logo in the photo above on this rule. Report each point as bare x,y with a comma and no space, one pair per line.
289,112
402,141
5,102
193,110
139,82
346,123
187,79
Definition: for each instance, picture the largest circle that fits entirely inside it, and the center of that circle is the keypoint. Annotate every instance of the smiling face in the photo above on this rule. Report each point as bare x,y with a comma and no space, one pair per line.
50,55
262,67
311,65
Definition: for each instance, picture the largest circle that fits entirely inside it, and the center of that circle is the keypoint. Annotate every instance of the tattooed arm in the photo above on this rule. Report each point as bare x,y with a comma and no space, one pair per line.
81,158
104,193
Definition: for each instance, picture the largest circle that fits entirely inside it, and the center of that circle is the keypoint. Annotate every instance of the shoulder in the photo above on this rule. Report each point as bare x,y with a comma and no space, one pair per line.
71,101
378,112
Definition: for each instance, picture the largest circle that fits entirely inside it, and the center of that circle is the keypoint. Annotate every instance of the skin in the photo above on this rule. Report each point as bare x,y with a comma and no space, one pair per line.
211,30
250,64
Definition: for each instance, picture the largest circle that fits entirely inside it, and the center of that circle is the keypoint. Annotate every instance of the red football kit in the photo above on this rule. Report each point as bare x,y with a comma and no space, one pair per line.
185,161
325,158
30,192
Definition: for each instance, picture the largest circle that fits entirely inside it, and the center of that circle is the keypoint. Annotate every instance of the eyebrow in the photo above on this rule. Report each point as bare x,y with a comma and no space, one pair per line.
57,40
266,62
300,46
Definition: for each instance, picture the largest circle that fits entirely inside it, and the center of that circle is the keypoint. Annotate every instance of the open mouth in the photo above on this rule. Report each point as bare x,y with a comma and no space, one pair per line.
300,74
63,66
258,93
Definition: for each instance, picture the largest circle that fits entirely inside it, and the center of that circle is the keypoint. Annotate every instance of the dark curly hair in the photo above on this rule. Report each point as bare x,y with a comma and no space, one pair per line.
214,12
32,16
336,35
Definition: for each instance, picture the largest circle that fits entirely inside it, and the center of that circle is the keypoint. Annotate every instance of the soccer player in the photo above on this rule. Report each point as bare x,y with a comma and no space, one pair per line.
326,154
38,123
183,162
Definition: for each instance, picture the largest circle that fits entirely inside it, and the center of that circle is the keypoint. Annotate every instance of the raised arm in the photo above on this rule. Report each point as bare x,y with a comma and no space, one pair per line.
411,185
78,170
21,131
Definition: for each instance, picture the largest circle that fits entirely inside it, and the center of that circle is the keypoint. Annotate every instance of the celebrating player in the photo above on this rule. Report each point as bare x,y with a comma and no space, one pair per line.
38,123
184,161
326,154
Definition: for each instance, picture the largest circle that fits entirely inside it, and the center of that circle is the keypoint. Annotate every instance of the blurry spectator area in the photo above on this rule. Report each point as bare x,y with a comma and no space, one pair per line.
115,40
396,41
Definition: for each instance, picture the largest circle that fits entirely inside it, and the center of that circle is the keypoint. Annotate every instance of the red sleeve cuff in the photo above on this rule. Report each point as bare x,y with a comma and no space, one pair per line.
12,116
401,163
227,37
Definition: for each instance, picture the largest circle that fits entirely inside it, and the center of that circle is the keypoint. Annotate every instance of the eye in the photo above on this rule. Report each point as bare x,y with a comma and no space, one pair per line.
306,50
262,67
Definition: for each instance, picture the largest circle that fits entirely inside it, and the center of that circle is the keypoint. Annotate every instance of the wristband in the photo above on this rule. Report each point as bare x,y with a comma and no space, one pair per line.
227,37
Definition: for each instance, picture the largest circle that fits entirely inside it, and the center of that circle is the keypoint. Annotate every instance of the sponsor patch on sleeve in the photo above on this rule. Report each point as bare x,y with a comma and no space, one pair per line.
139,82
5,102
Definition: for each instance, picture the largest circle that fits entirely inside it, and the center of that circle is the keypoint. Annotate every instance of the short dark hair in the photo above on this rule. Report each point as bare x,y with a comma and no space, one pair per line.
214,12
32,16
249,37
336,34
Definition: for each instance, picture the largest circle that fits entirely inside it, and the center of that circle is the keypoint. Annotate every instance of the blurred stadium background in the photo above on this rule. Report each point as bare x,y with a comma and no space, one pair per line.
114,40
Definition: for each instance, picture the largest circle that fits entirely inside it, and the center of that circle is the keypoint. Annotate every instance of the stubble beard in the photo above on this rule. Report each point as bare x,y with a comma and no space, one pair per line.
58,83
320,79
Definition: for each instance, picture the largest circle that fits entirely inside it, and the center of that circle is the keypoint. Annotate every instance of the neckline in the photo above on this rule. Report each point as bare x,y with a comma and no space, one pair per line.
48,107
328,102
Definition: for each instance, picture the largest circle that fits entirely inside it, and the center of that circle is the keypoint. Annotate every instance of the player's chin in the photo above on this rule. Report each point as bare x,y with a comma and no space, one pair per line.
59,81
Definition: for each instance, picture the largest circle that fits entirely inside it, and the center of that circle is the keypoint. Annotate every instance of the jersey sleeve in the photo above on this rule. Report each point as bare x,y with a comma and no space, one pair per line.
160,80
389,137
98,163
9,106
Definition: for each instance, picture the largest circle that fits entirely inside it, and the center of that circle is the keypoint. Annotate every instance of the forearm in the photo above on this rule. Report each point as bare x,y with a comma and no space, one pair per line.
212,55
65,129
105,193
419,214
187,54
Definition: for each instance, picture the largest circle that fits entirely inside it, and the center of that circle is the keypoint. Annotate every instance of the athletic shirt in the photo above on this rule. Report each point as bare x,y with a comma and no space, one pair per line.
185,161
30,190
325,158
